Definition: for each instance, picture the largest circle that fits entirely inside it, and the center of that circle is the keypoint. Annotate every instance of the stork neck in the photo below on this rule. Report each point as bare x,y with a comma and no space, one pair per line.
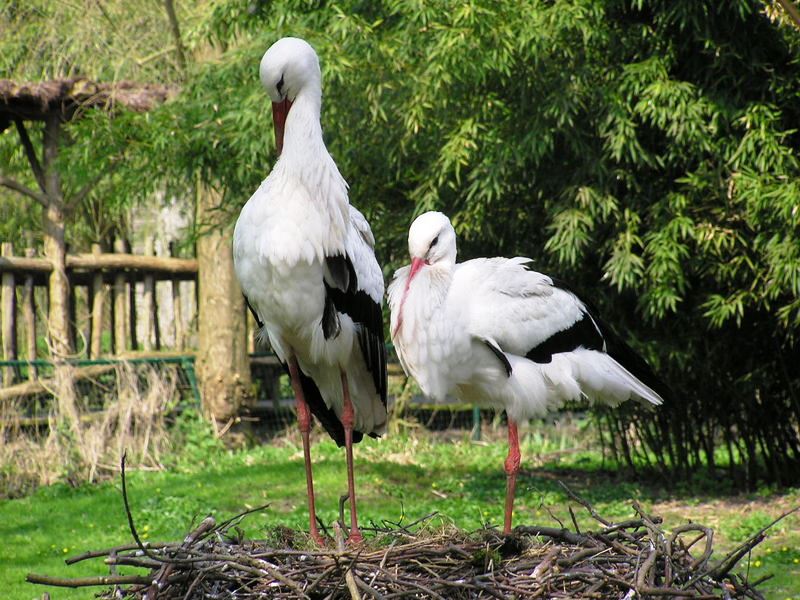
303,135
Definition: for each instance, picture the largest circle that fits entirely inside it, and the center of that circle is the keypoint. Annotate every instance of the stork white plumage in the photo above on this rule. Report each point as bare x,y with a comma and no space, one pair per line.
493,332
306,264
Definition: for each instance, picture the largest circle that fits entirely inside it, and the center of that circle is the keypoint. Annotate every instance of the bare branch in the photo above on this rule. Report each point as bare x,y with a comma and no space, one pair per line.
23,189
30,151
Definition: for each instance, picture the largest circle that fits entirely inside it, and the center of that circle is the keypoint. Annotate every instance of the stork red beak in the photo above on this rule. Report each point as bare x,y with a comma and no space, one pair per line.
416,265
279,112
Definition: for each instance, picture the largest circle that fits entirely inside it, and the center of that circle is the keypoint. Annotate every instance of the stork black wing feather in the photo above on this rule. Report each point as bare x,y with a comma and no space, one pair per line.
366,314
591,332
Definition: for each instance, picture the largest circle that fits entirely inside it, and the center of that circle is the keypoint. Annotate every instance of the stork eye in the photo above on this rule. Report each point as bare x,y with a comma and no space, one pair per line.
433,243
280,85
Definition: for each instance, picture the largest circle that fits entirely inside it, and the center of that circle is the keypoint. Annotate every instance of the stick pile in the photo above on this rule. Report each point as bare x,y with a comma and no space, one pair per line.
636,558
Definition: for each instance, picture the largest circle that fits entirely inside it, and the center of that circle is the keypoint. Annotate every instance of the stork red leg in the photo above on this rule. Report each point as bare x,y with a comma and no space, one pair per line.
512,468
304,420
348,420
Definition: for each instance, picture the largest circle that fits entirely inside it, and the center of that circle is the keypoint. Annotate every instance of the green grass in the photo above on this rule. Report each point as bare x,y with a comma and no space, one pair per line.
399,478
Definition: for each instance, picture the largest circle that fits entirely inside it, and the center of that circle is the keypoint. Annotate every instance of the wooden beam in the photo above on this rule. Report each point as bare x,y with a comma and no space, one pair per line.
110,262
30,151
159,264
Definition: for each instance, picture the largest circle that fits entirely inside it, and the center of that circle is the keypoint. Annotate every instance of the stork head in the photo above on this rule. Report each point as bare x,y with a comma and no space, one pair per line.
431,241
289,66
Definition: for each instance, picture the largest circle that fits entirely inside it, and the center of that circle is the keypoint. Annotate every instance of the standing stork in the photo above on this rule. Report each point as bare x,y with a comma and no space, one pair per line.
306,264
493,332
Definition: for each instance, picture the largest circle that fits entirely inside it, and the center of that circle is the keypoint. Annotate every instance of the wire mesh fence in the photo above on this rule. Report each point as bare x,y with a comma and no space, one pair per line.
270,408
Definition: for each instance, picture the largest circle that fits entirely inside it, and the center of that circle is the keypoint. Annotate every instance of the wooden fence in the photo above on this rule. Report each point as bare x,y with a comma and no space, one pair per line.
105,317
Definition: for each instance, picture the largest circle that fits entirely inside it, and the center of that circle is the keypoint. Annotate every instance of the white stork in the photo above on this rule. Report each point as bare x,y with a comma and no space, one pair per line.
493,332
306,264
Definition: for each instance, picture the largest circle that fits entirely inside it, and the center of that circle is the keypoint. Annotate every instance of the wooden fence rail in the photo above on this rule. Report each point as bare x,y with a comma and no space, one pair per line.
105,316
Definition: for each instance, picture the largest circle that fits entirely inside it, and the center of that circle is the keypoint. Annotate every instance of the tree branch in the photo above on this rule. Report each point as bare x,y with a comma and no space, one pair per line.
38,172
791,10
176,33
24,190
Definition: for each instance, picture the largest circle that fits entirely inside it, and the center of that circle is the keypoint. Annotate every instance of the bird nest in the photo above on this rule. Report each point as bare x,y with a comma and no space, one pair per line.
635,558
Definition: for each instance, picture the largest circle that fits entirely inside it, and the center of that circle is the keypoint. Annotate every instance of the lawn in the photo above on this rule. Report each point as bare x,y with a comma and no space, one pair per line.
399,478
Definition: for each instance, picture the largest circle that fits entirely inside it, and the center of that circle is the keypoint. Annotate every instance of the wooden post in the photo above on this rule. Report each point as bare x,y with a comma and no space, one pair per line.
120,305
132,313
9,325
149,317
177,311
29,319
252,334
98,304
73,315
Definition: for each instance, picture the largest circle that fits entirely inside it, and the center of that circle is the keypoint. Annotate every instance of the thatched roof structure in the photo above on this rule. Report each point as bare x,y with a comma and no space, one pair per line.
69,97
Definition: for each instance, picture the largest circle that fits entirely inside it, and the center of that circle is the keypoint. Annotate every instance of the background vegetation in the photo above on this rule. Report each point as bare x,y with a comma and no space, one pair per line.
646,150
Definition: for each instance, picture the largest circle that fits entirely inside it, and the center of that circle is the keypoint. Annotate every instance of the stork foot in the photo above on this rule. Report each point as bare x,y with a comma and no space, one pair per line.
355,538
318,540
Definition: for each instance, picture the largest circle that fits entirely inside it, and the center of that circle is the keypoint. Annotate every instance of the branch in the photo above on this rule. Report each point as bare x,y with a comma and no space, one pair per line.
729,562
176,33
24,190
791,10
86,581
38,172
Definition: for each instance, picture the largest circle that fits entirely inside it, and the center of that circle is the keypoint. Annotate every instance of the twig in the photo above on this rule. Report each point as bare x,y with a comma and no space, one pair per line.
729,562
348,574
583,503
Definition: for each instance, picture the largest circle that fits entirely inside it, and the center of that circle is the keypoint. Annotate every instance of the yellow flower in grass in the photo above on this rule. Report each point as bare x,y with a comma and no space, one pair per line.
757,563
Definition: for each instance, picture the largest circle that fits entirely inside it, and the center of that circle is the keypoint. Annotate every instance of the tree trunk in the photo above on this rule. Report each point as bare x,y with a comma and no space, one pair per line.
55,251
223,368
